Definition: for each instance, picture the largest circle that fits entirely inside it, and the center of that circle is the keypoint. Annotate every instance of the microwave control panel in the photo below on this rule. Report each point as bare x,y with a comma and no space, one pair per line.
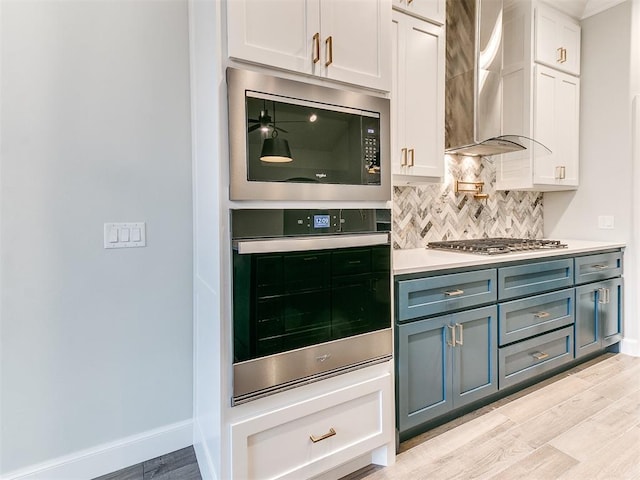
371,145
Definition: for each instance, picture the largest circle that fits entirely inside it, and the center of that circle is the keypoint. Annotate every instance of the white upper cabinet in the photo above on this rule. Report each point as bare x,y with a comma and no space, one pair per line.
557,40
539,102
417,100
343,40
556,123
430,10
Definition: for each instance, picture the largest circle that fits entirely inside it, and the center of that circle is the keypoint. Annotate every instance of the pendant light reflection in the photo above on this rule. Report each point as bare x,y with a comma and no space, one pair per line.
275,150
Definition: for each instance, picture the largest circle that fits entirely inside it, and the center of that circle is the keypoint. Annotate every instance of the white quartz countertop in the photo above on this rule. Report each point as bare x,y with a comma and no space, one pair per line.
417,260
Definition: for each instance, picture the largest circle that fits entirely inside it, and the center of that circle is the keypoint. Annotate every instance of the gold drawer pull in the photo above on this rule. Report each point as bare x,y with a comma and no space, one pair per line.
541,314
540,355
600,267
453,293
330,433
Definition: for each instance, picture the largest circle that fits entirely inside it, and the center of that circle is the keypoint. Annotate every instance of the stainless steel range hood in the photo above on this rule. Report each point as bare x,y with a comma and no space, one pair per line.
473,87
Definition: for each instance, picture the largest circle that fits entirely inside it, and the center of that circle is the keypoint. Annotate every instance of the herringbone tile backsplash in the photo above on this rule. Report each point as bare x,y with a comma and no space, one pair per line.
435,212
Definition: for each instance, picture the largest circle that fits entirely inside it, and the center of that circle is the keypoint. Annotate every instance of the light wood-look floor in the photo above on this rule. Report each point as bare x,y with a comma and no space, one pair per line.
582,424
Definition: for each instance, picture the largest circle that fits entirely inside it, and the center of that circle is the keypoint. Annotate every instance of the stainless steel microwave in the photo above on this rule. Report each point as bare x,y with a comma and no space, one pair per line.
289,140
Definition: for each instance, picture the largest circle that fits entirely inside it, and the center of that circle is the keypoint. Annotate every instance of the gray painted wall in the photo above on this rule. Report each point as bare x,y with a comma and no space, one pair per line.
606,167
96,344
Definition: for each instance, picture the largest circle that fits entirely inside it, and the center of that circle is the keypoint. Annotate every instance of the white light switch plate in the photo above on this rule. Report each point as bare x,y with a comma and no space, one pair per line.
125,235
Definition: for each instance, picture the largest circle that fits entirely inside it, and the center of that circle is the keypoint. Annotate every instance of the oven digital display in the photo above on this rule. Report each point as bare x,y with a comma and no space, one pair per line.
321,221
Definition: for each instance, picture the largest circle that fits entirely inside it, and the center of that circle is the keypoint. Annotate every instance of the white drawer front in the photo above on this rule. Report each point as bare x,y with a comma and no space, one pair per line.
354,420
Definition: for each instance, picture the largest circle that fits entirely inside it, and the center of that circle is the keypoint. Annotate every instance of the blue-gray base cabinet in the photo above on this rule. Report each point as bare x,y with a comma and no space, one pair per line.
598,315
464,336
535,356
444,363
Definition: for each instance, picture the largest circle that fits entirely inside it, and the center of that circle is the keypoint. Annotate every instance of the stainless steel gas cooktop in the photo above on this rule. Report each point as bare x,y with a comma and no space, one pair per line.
494,246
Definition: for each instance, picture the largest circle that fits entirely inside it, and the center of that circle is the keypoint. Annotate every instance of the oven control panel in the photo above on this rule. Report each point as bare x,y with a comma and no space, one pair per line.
254,223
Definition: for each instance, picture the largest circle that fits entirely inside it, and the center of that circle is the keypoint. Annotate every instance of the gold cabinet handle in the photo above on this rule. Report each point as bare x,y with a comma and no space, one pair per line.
316,48
563,172
453,293
452,329
541,314
330,433
540,355
412,155
562,55
328,45
460,328
403,161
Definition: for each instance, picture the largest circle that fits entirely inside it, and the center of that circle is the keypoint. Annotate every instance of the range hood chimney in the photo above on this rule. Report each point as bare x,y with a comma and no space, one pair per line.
473,86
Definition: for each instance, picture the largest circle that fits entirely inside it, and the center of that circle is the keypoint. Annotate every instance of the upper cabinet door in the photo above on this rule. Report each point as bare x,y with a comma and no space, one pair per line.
430,10
557,40
344,40
356,42
279,33
417,100
556,123
424,98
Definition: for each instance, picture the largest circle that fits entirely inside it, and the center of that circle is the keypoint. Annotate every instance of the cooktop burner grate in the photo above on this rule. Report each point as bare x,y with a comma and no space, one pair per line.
494,246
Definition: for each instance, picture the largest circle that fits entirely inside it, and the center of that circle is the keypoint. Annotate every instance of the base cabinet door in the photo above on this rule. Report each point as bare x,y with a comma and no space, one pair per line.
474,356
598,316
444,363
423,375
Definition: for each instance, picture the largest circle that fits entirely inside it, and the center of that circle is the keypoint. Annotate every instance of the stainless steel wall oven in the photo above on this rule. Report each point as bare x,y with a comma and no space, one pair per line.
311,295
290,140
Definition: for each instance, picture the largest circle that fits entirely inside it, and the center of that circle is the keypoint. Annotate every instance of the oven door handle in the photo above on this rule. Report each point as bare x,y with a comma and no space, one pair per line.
301,244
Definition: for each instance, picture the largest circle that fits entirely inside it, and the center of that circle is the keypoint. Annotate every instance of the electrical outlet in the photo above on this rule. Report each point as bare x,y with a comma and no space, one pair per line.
605,222
507,221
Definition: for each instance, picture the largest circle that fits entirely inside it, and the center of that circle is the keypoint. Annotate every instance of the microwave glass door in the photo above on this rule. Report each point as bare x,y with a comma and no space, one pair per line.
328,144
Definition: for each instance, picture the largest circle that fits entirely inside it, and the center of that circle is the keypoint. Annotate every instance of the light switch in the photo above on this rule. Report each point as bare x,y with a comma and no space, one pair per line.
112,235
125,235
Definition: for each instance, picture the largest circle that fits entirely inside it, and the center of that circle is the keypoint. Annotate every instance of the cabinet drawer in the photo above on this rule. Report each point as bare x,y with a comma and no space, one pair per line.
524,360
429,296
520,319
591,268
532,278
279,444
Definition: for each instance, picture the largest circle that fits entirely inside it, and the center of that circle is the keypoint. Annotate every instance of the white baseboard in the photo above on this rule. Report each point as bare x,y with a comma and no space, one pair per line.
205,463
109,457
630,346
